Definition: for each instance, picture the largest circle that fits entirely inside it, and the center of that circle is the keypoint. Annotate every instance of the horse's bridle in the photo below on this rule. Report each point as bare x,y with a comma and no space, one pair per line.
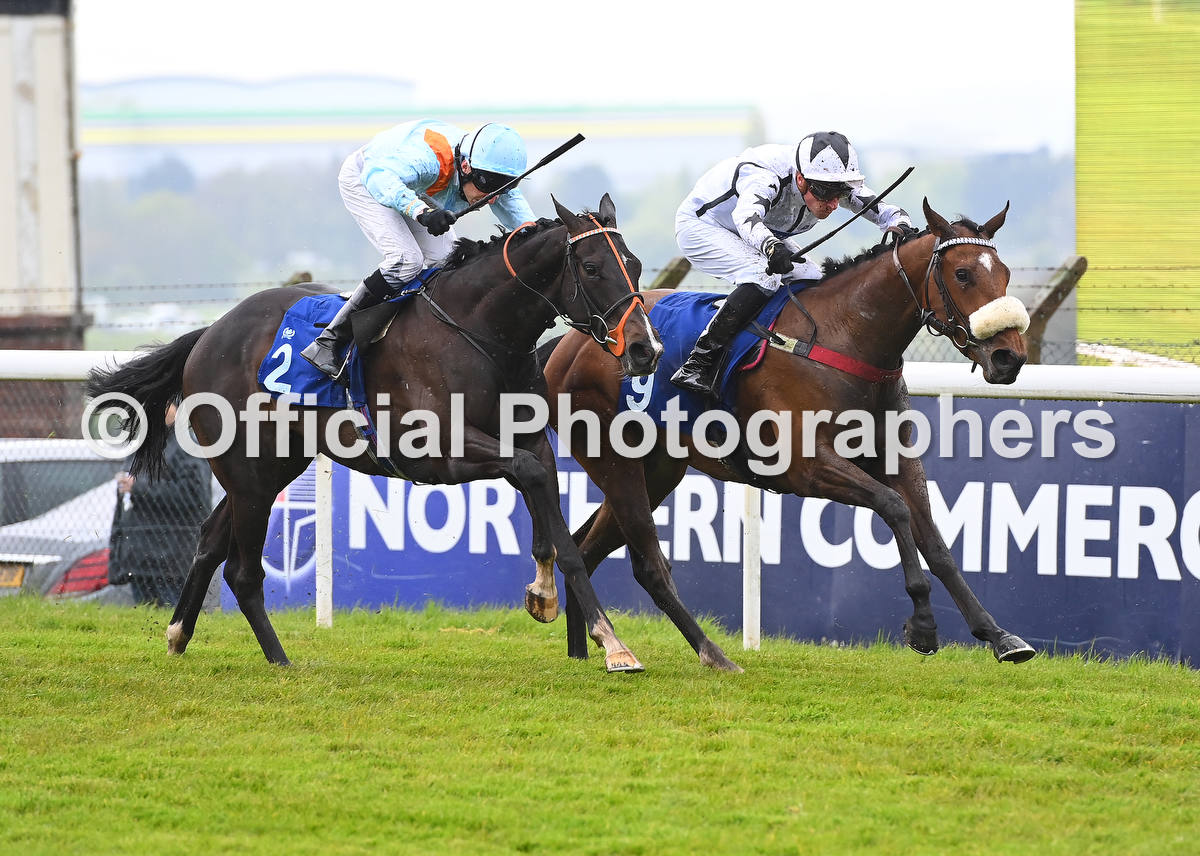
597,325
957,325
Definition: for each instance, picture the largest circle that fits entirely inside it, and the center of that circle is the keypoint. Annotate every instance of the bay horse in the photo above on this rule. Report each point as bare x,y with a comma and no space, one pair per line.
866,309
474,332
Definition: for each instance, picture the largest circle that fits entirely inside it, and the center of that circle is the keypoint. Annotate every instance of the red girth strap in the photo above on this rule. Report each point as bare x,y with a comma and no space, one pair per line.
819,354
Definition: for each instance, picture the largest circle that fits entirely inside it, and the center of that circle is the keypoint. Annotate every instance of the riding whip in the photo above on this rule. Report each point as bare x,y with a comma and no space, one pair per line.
571,143
874,202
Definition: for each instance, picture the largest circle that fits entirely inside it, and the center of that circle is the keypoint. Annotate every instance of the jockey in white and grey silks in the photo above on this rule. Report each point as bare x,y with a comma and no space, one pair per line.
739,221
405,189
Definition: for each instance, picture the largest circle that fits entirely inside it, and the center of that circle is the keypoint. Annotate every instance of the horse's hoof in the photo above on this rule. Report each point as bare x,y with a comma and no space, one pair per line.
712,656
543,609
623,661
924,642
1012,649
177,640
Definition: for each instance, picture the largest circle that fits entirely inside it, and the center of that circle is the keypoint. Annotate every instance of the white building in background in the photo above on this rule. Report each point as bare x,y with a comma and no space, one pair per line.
39,268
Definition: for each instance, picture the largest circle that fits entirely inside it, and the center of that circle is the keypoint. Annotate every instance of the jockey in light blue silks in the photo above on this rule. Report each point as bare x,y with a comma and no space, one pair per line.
404,189
736,222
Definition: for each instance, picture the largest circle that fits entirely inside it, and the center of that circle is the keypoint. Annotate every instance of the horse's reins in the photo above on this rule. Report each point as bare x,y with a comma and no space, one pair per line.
956,324
955,328
597,325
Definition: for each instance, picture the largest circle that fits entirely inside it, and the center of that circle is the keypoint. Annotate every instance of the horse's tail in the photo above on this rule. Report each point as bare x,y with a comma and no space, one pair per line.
546,349
155,381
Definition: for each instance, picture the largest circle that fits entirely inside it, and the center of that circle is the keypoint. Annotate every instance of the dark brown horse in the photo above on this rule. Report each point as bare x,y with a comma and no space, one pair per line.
868,309
473,333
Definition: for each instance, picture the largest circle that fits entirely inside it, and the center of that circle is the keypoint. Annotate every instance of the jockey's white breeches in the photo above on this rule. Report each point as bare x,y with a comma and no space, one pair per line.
406,245
714,250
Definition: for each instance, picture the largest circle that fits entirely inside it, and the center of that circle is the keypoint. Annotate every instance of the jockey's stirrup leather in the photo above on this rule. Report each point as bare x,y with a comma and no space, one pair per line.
702,369
324,352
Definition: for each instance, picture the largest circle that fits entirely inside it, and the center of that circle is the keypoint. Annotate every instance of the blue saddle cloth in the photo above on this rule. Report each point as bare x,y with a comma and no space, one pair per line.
285,371
680,318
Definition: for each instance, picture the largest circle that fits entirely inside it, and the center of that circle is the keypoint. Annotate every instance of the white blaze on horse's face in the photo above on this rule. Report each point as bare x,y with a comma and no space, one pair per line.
996,316
652,336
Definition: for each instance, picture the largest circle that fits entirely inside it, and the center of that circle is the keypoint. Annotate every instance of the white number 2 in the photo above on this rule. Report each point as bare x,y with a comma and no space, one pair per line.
272,381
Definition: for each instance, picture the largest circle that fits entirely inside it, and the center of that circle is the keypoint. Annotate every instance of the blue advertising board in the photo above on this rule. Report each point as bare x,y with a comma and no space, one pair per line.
1077,524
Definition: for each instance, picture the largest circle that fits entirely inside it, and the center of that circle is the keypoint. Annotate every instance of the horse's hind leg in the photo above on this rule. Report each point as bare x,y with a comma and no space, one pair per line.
911,484
244,572
211,551
833,477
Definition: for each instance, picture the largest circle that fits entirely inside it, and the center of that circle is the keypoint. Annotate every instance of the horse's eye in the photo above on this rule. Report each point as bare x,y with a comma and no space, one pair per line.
962,275
591,268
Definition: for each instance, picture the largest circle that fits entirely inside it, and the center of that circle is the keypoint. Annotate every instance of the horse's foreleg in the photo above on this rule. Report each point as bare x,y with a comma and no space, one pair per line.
577,639
533,473
911,483
541,595
211,551
840,480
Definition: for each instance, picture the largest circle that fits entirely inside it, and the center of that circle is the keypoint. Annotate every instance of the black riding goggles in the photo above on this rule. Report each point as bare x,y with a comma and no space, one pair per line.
488,182
827,190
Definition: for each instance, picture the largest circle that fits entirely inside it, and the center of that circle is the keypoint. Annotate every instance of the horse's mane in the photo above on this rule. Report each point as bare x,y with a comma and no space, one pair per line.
467,250
833,266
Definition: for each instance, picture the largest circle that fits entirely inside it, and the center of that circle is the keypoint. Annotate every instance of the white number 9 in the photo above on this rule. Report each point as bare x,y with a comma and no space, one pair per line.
643,388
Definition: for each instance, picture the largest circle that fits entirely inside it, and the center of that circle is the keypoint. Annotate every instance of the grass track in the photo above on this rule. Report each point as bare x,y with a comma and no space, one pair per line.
471,732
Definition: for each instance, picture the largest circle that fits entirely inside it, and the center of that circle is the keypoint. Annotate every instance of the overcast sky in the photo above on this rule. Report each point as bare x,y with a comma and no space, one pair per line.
960,76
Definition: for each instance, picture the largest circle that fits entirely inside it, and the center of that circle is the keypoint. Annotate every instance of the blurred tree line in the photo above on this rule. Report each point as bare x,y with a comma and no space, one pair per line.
168,235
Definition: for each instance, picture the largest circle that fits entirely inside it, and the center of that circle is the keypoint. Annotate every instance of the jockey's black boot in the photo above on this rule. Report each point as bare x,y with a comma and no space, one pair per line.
702,368
325,351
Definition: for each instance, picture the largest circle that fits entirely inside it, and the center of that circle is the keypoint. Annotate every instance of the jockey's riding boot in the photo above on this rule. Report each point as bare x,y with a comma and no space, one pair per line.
325,351
702,368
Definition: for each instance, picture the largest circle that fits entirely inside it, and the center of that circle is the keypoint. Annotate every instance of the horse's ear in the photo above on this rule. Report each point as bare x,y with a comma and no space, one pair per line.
608,211
937,223
991,227
564,214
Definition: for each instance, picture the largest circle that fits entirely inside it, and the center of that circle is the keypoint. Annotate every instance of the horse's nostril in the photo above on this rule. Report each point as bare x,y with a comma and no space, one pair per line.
641,354
1005,359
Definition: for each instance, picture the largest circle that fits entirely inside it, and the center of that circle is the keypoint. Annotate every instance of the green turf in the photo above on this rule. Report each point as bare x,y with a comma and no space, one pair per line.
448,732
1137,162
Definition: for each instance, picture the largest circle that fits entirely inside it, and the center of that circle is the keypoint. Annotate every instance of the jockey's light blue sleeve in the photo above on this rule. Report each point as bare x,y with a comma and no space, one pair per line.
390,176
402,170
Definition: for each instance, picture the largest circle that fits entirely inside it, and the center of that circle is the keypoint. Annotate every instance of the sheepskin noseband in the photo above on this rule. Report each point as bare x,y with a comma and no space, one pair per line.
1001,314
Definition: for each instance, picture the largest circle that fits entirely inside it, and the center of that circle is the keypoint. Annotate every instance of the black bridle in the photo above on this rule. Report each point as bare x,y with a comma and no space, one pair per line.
597,325
957,326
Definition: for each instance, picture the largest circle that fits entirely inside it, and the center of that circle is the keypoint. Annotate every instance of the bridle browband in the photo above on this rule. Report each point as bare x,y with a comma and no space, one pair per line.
597,324
956,325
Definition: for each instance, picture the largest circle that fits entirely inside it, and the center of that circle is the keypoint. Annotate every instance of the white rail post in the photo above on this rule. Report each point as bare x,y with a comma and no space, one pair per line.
752,569
324,539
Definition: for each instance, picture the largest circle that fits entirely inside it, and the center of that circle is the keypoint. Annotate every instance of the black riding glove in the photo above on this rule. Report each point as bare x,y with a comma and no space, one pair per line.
437,220
904,230
779,257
